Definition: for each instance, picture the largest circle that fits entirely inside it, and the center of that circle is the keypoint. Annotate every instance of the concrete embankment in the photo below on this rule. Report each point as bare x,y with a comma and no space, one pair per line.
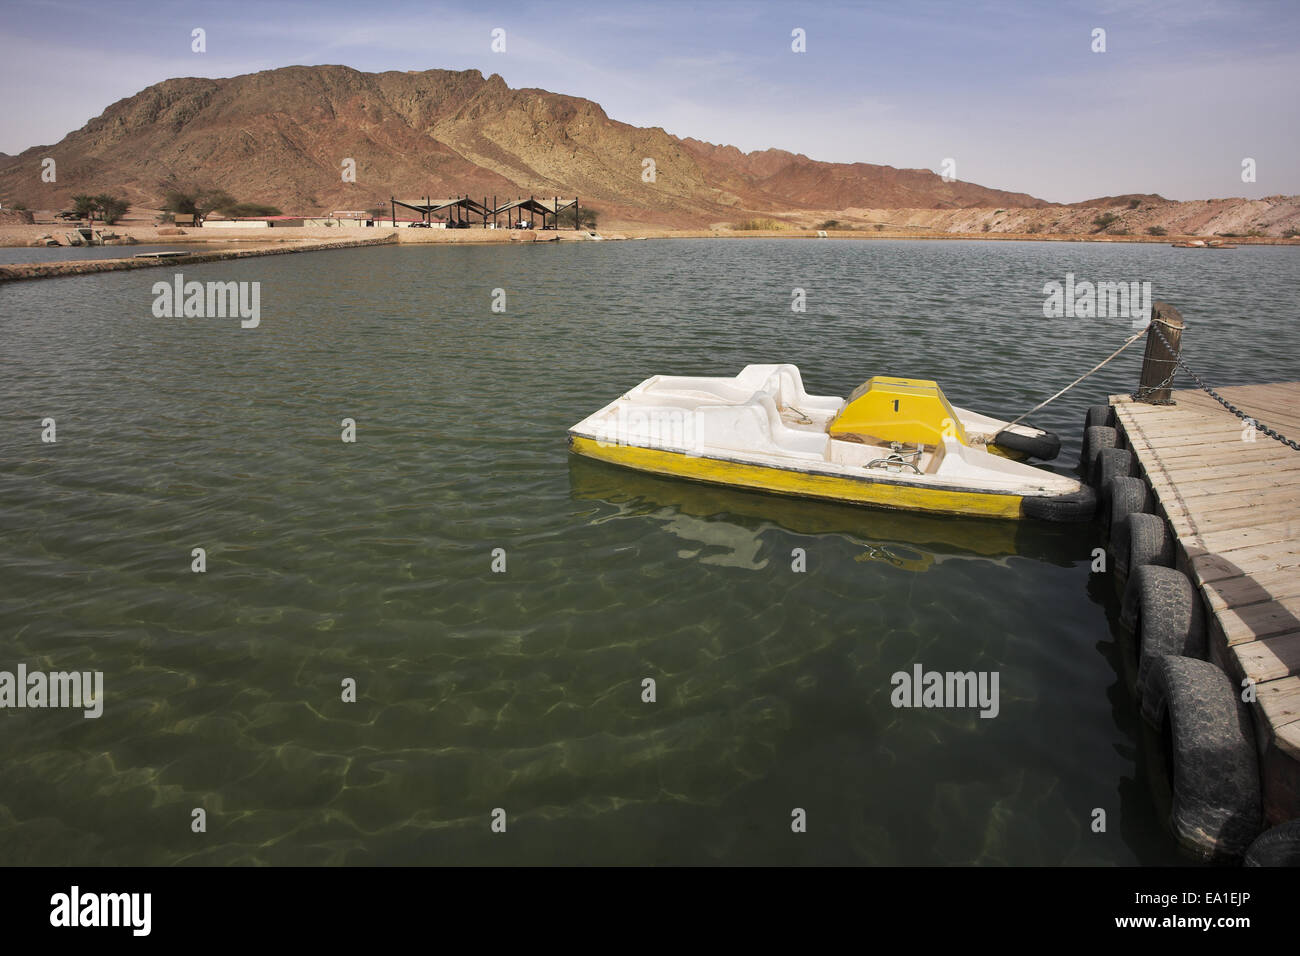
77,267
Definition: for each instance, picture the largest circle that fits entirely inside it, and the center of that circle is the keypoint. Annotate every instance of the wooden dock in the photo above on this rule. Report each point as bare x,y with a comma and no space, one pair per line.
1231,497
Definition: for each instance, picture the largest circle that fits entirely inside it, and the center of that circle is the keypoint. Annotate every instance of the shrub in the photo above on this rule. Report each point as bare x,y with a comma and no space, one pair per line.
1105,220
107,207
235,210
756,225
1134,203
587,218
1156,231
1292,233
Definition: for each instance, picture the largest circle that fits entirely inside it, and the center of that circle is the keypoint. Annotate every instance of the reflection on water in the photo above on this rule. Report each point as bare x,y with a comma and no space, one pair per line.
908,540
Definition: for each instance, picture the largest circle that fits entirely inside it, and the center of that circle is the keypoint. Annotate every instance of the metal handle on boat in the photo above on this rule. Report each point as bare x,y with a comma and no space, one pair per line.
896,460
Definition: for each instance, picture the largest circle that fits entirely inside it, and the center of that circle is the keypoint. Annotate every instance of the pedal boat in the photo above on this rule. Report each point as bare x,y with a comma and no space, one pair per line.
894,443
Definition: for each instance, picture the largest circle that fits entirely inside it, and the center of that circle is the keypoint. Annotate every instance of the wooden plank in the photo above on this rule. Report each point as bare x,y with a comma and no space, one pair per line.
1282,415
1270,659
1256,621
1282,404
1206,521
1228,444
1156,433
1280,701
1207,469
1147,430
1193,489
1223,542
1256,405
1247,561
1287,739
1283,507
1278,503
1199,524
1246,589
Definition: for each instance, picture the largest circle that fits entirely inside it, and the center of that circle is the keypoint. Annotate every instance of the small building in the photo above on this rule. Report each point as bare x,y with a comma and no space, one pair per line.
386,222
255,222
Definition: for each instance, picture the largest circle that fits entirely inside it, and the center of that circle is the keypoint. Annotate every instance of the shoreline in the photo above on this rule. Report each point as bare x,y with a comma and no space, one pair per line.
63,268
25,235
281,245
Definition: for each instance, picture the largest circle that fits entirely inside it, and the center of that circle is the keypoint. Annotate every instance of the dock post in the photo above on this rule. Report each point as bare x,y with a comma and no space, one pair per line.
1158,362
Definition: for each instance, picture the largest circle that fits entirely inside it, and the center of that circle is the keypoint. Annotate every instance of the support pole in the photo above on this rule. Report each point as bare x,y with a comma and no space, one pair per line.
575,213
1158,362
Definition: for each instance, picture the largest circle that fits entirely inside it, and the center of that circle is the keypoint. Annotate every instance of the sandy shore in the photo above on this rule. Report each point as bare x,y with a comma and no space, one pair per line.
21,235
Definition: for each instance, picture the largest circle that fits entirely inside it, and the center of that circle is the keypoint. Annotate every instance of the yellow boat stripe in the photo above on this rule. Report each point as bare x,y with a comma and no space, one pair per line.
865,490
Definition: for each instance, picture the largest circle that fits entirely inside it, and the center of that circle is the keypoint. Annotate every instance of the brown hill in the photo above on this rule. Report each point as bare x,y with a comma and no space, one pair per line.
280,137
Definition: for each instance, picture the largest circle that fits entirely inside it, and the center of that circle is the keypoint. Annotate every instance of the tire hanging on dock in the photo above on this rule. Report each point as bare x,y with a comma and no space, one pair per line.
1094,440
1279,846
1216,810
1100,416
1165,614
1121,497
1140,539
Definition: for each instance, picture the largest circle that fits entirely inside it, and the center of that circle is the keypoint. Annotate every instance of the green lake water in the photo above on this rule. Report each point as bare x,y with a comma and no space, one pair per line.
521,690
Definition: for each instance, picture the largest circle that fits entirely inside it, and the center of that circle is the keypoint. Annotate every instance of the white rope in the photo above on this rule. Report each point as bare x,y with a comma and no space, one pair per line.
1096,368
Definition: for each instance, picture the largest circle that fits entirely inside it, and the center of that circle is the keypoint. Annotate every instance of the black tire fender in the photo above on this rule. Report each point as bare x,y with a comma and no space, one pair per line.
1149,542
1216,810
1044,447
1125,496
1139,539
1094,440
1076,506
1279,846
1100,415
1167,617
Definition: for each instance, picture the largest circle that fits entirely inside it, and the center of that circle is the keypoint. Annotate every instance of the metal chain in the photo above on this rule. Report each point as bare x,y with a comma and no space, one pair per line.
1216,396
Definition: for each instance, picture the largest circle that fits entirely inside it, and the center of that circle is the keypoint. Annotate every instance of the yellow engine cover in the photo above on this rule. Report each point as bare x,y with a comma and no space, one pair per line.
908,410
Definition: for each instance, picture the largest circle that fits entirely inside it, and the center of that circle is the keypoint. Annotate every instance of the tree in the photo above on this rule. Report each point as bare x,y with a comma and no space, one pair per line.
1156,230
111,208
196,201
249,209
1105,220
105,206
586,218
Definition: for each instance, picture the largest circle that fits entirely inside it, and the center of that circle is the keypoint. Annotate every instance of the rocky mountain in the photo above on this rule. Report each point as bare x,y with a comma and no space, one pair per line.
282,137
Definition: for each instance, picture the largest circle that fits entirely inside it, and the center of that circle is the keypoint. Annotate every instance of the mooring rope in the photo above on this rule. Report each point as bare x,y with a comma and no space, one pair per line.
1096,368
1220,399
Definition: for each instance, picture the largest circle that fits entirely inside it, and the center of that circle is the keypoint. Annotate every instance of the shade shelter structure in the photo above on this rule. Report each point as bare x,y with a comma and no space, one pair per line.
532,206
457,212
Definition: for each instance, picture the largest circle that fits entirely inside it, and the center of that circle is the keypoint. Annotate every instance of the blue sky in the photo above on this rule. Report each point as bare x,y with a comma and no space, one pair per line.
1012,91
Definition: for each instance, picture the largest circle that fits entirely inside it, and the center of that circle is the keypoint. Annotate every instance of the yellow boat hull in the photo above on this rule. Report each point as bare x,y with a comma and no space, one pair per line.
786,481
